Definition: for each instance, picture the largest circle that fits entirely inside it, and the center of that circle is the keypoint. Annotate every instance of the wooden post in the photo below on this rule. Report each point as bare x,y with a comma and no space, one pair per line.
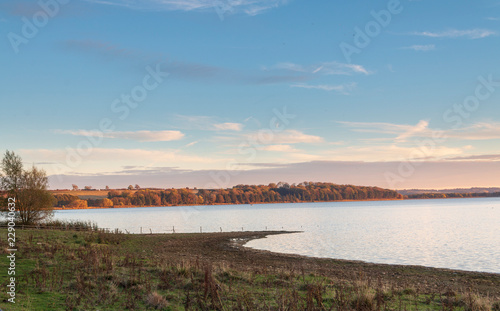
150,231
141,230
200,229
173,229
220,229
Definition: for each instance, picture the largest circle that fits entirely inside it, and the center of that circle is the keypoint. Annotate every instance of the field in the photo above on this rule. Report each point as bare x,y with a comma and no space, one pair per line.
84,195
89,270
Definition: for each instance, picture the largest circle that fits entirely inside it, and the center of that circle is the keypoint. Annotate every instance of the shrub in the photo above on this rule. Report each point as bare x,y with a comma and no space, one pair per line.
156,301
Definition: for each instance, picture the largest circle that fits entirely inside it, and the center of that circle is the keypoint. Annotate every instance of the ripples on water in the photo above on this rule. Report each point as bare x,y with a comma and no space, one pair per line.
452,233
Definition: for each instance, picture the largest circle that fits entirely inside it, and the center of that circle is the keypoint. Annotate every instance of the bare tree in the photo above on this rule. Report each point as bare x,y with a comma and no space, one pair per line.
29,188
137,187
75,187
34,202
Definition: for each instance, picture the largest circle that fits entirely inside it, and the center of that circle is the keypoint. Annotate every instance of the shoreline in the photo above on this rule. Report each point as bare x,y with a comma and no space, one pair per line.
242,243
192,269
228,248
222,204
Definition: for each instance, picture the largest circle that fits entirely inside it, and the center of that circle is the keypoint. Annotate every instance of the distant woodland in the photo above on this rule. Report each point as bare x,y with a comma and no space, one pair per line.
463,191
245,194
452,195
241,194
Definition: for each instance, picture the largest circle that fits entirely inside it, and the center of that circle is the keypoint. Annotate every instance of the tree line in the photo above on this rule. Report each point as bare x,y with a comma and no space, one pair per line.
433,195
240,194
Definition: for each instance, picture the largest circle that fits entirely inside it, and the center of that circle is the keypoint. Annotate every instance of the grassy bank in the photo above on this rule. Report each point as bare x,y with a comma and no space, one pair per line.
78,270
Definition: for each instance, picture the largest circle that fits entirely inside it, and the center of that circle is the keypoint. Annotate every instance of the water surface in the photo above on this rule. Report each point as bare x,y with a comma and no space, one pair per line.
451,233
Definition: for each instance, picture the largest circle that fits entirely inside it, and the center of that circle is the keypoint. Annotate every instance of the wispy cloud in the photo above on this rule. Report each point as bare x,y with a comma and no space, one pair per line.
115,158
278,140
385,128
191,144
279,148
483,157
299,74
259,7
325,68
279,73
403,132
250,7
342,88
421,127
142,136
477,131
284,137
20,7
435,174
185,70
274,79
454,33
204,123
420,48
229,126
389,152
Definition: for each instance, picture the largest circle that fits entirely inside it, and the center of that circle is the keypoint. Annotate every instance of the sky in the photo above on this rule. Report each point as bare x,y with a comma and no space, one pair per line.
214,93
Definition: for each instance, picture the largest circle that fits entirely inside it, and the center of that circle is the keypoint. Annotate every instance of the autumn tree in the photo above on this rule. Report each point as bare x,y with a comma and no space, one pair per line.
106,203
78,204
29,188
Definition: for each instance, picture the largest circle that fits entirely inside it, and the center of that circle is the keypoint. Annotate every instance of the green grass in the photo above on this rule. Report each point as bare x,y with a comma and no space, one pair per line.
70,270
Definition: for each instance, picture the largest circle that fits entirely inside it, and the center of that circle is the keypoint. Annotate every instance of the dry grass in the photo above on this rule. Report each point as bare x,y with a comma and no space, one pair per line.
156,301
95,270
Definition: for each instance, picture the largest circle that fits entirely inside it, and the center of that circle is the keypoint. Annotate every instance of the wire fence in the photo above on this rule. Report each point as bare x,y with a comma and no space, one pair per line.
133,230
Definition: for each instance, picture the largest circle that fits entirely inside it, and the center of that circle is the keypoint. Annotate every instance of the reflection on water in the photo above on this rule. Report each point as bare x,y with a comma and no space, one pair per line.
454,233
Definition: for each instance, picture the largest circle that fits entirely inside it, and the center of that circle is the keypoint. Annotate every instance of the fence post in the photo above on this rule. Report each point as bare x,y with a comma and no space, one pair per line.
141,230
200,229
150,231
173,229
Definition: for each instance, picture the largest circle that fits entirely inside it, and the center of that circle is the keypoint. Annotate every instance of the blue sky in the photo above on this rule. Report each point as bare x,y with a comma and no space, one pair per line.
226,73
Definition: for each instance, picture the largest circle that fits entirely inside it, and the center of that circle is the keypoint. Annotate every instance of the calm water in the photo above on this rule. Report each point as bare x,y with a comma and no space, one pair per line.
455,233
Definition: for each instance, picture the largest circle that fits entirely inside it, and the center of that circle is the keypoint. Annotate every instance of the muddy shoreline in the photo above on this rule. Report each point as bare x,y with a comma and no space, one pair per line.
228,249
